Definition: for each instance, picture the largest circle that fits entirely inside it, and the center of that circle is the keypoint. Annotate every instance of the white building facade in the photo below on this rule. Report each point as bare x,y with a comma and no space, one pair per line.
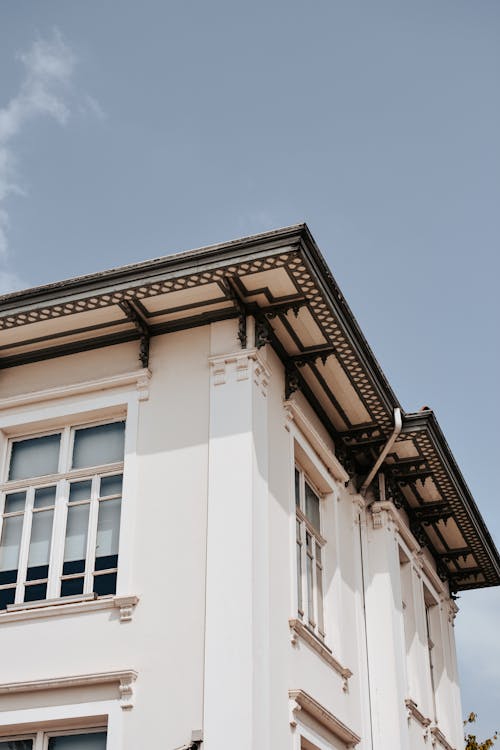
219,528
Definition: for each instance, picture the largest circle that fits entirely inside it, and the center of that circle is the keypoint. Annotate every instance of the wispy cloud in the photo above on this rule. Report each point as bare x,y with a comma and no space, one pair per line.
44,92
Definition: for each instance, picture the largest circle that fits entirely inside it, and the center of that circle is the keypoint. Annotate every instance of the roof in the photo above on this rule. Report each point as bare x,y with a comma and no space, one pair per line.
283,280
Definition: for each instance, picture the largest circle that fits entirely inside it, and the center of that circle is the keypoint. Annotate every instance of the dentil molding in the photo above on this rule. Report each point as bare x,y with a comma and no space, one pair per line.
241,365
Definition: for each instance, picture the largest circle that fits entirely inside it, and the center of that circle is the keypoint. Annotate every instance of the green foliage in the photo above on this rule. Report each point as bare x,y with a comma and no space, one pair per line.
472,743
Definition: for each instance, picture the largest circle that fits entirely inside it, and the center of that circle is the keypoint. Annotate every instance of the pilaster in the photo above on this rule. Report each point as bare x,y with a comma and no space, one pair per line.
385,637
236,693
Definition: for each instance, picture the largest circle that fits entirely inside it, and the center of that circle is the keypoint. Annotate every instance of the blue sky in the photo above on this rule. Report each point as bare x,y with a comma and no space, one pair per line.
131,130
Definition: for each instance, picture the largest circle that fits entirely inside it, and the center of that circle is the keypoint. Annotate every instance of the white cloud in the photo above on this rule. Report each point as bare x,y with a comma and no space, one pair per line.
48,67
10,282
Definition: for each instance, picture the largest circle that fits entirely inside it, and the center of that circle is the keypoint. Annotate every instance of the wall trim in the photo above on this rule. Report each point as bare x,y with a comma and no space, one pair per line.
409,539
302,701
438,737
296,415
62,607
299,630
413,712
247,363
125,679
138,378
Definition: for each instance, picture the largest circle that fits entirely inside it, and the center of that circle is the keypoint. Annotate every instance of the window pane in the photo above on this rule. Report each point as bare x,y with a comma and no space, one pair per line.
9,545
34,457
297,488
319,590
80,491
108,528
310,600
44,496
7,596
36,592
16,745
15,502
76,536
312,506
41,535
111,485
99,445
105,584
299,576
90,741
72,587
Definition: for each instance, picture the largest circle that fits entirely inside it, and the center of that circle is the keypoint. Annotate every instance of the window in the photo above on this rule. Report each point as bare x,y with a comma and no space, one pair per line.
309,554
60,505
77,740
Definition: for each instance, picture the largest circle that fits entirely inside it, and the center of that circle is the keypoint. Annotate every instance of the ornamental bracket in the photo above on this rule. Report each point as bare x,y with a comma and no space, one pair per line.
141,327
241,309
292,380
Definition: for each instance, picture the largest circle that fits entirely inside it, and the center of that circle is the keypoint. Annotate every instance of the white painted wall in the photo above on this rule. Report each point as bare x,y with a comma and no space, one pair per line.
212,558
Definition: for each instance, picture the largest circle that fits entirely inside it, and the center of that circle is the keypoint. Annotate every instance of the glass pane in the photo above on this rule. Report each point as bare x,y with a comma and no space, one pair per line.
44,496
16,744
297,488
41,535
7,596
89,741
99,445
37,573
15,502
80,491
36,592
111,485
105,584
77,524
312,506
72,587
299,576
9,544
34,457
108,528
310,605
319,590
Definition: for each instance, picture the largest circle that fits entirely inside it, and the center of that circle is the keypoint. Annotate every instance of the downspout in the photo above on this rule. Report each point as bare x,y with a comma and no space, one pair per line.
398,423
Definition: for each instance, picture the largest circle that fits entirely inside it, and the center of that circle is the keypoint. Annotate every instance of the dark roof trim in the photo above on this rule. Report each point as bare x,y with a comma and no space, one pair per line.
124,276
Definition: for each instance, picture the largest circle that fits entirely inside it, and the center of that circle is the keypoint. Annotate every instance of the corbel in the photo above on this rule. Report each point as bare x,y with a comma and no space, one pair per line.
126,690
262,332
141,327
240,308
311,357
292,380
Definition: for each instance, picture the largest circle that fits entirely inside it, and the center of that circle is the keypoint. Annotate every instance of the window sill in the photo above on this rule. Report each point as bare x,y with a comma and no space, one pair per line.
299,630
413,712
63,606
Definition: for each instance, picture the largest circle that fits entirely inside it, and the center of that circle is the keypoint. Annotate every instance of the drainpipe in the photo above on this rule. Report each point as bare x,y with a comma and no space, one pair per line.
398,423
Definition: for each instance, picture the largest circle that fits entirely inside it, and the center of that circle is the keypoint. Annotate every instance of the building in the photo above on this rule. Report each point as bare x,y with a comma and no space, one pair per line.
219,525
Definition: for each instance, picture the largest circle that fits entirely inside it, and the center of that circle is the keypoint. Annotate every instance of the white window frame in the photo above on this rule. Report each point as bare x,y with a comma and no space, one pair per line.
117,398
76,718
61,481
41,737
314,619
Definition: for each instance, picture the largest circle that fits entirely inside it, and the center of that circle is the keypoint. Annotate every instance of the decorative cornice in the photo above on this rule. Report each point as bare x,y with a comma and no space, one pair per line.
123,678
138,378
438,737
302,701
65,606
295,414
299,630
414,713
245,363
